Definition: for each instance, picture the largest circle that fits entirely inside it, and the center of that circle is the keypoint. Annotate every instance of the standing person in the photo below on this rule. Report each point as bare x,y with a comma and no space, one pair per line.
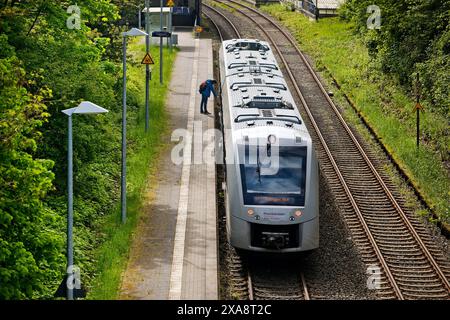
205,89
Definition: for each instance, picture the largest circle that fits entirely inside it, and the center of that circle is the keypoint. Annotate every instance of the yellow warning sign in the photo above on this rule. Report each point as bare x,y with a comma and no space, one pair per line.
148,59
418,106
170,3
198,29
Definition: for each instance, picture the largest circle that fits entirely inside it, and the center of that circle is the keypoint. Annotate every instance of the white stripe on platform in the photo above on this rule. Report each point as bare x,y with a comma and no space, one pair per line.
176,275
211,218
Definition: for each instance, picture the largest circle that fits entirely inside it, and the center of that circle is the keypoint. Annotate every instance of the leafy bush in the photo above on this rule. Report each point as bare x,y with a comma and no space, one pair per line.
30,241
46,67
414,38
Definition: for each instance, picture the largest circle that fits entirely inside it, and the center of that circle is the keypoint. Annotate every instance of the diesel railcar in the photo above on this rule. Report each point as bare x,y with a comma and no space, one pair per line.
271,187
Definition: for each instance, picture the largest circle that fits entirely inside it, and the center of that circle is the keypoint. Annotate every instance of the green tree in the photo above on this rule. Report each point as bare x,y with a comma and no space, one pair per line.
30,245
46,67
414,38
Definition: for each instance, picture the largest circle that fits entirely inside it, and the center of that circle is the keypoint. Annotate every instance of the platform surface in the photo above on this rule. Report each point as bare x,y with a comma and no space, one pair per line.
174,251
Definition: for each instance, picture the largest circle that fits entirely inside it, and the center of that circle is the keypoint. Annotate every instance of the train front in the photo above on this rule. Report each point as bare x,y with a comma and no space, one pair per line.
273,205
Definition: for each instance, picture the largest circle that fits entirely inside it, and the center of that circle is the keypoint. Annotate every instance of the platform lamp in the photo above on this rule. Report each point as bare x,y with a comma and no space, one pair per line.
84,107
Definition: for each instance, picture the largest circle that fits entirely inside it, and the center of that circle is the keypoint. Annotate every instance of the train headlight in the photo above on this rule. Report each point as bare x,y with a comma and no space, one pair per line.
271,139
298,213
250,212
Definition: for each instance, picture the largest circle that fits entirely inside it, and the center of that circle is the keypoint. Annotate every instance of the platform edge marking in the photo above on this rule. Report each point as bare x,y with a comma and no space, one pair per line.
176,274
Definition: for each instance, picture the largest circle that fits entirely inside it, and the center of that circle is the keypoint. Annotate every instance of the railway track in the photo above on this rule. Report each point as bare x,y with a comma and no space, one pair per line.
267,285
262,278
402,257
225,28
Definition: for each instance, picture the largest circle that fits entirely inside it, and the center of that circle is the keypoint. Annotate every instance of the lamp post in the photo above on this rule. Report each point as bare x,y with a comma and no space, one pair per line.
85,107
132,33
139,17
139,14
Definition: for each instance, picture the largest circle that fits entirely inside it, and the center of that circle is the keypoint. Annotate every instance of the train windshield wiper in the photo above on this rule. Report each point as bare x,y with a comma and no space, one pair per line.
258,168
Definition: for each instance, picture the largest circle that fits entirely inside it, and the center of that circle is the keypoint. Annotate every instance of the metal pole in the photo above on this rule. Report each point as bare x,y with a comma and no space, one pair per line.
69,208
198,15
124,134
170,27
147,67
317,10
417,110
161,45
140,17
417,127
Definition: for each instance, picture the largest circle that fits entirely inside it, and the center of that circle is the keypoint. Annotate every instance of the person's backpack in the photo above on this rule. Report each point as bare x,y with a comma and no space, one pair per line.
202,87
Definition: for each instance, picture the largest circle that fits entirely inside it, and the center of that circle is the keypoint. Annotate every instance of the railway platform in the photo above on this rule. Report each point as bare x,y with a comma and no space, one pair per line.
174,251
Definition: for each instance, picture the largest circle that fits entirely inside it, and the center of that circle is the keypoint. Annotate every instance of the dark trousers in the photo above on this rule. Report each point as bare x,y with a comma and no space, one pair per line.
203,104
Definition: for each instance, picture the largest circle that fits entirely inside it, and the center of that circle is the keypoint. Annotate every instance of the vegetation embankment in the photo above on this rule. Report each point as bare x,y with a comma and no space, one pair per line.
51,59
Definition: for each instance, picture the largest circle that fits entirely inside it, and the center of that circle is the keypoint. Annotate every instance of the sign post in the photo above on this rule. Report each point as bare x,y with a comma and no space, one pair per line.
170,4
147,67
418,107
162,34
161,45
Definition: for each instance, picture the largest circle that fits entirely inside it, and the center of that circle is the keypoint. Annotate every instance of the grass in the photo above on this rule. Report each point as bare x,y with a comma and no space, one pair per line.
333,45
143,155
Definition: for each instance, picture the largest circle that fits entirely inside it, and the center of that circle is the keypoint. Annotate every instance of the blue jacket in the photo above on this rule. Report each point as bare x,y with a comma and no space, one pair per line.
209,88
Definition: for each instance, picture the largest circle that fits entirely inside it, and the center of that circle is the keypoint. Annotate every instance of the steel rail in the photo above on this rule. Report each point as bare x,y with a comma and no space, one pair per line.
235,30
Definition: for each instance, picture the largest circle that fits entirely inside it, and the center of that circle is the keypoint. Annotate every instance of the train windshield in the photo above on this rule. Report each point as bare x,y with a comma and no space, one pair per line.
282,187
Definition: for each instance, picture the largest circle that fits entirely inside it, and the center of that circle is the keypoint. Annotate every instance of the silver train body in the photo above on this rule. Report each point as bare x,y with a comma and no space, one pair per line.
272,183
